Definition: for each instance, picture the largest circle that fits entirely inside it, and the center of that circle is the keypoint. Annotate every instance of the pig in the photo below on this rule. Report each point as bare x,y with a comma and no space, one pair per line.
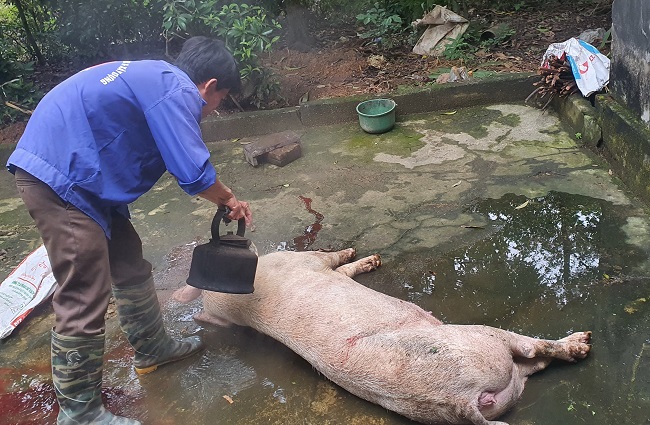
383,349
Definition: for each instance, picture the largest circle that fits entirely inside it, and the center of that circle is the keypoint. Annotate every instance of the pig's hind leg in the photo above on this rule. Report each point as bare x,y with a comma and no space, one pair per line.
334,259
474,415
571,349
364,265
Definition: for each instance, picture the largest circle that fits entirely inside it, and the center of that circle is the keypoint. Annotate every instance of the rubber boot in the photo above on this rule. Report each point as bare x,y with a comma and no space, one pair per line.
77,364
141,321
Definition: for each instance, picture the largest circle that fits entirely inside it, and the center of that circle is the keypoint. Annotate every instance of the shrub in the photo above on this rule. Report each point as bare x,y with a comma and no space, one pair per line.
15,68
247,30
95,28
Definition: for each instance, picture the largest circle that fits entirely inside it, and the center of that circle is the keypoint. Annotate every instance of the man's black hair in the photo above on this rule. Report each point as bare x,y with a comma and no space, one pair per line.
204,58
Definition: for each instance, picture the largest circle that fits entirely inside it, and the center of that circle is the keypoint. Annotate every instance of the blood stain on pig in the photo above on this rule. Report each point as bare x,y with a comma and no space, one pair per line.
349,344
303,242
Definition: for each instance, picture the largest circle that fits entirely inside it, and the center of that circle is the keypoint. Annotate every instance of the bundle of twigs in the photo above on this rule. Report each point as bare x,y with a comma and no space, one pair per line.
557,80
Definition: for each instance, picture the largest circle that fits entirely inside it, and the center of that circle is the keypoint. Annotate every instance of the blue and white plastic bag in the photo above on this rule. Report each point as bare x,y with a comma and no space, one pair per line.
590,67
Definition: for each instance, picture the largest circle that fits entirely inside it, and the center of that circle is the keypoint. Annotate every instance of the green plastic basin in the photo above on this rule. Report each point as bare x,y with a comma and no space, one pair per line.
377,115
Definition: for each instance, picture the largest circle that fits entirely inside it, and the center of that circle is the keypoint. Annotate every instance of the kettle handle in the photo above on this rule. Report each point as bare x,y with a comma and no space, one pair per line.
221,214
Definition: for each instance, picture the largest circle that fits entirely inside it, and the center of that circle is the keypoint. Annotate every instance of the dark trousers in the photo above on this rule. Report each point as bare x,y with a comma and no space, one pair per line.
84,261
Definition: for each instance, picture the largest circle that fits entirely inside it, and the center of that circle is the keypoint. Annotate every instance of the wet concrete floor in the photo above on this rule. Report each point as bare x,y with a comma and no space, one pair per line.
488,215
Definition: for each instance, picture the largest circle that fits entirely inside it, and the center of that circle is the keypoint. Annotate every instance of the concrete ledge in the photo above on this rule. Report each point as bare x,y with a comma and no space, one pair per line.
504,88
250,124
497,89
577,113
626,145
609,128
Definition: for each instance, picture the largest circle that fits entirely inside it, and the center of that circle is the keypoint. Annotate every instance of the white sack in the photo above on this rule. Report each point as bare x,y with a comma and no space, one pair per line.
27,286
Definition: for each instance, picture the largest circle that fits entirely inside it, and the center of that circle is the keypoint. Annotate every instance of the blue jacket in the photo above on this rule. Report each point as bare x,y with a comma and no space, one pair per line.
104,136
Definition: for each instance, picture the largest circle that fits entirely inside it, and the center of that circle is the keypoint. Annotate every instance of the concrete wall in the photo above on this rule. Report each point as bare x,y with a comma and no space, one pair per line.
630,68
502,88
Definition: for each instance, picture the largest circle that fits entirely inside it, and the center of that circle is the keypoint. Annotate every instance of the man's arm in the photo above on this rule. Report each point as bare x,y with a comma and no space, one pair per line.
221,195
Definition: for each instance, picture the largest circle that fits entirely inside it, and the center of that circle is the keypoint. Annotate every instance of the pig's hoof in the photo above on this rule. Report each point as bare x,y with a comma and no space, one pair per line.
348,255
370,263
584,337
577,345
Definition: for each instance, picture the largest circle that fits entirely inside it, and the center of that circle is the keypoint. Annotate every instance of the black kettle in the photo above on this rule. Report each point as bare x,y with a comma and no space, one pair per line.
226,263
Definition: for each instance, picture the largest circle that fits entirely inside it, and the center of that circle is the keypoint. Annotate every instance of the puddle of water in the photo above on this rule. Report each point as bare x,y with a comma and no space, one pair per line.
542,267
549,266
26,395
559,263
37,404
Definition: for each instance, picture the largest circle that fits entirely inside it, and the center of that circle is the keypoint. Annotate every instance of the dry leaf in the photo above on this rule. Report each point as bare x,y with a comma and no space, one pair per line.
448,113
633,307
524,205
376,61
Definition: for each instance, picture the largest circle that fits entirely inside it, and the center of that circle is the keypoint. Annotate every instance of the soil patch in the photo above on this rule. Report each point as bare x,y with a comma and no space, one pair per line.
343,64
12,132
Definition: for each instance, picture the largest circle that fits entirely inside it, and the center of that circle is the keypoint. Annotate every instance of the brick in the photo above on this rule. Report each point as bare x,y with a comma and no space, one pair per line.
284,155
256,151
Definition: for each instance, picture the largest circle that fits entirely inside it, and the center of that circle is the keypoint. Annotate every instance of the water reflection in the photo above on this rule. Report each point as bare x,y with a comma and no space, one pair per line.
555,237
546,267
561,242
542,267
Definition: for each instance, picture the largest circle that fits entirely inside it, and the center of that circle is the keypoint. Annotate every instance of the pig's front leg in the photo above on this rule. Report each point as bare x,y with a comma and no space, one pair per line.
189,293
364,265
186,294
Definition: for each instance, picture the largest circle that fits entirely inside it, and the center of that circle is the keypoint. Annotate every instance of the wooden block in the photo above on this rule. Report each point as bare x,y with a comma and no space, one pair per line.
284,155
257,150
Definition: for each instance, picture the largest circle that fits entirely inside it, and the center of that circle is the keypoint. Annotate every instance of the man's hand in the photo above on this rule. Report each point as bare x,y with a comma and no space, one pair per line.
239,209
221,195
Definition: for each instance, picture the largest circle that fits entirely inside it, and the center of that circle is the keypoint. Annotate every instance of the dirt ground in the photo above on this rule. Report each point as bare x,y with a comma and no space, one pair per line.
341,64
